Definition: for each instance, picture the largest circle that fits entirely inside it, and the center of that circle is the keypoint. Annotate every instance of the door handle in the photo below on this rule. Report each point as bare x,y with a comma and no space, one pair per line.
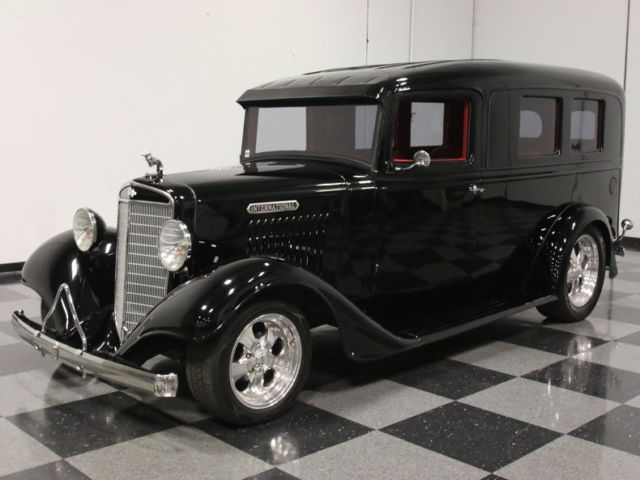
475,189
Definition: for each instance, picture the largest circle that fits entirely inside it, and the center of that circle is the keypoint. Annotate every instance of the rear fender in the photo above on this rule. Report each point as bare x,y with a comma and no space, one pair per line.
561,235
90,276
199,309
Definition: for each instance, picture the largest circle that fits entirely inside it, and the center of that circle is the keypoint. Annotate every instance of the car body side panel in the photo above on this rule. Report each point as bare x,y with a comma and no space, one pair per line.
199,309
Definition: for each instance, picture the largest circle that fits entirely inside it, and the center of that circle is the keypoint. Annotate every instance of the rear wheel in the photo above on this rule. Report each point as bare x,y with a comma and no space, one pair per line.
581,279
256,368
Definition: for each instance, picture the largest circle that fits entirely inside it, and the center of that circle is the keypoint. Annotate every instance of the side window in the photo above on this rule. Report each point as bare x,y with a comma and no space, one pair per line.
540,120
586,125
441,127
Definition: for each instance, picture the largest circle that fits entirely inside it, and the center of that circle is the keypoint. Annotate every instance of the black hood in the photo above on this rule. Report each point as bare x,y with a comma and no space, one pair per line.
267,178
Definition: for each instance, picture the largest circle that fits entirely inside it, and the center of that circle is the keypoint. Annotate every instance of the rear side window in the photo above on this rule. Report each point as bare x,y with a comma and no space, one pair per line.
586,125
540,119
441,127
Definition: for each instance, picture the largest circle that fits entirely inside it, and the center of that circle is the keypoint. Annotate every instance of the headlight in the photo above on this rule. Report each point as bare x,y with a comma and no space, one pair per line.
174,245
85,229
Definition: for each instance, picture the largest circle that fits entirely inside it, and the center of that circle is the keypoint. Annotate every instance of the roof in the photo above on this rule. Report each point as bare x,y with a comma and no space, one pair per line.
368,82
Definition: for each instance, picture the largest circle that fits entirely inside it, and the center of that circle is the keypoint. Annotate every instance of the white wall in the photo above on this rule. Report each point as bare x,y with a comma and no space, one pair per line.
442,29
88,85
589,34
414,30
630,206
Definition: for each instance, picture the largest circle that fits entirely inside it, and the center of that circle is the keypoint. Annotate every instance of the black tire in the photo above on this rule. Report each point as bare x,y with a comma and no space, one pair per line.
564,309
208,366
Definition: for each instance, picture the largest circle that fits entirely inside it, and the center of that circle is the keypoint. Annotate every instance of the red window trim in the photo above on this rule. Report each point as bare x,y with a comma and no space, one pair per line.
465,142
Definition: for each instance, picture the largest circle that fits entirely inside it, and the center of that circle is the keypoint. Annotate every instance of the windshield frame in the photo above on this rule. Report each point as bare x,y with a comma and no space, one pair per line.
371,164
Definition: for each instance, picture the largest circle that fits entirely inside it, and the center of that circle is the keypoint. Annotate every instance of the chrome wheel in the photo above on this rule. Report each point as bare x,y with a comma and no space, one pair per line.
584,267
265,361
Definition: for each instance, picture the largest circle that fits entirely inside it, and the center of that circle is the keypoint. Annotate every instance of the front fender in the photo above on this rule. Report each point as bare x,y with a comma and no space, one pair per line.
562,234
90,275
198,310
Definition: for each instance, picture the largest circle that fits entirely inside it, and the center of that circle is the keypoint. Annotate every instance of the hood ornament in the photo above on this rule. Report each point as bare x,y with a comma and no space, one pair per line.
153,162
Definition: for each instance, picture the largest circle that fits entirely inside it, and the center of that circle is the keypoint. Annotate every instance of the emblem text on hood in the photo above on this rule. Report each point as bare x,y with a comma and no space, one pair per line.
273,207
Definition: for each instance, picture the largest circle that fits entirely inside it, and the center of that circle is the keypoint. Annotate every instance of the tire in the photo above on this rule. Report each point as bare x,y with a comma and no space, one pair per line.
254,370
581,279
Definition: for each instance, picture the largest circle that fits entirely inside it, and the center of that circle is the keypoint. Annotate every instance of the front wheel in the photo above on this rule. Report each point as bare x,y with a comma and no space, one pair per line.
256,368
581,279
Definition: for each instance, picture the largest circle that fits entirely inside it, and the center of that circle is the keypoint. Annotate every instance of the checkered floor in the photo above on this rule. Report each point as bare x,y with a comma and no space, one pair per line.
519,399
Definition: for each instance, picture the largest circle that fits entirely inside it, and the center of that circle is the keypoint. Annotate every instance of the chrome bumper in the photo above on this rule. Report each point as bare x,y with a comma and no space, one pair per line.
158,385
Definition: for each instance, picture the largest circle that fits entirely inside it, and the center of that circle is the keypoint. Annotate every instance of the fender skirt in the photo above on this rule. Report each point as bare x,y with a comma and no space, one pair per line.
197,310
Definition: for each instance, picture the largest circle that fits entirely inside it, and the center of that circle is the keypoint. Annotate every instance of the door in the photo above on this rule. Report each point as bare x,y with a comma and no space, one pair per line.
430,259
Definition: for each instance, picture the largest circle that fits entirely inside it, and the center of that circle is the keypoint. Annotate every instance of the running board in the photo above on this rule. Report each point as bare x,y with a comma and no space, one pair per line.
408,340
431,336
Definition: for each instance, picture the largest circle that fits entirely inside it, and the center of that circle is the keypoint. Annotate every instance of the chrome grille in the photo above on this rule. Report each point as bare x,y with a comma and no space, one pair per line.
141,280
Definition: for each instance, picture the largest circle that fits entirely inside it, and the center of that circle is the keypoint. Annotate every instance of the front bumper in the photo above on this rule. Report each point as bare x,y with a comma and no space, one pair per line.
159,385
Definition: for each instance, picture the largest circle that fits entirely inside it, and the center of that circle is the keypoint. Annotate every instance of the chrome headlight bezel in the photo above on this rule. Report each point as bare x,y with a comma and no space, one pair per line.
174,245
85,228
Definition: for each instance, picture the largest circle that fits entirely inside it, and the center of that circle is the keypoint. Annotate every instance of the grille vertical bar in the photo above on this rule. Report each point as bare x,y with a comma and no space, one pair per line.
141,280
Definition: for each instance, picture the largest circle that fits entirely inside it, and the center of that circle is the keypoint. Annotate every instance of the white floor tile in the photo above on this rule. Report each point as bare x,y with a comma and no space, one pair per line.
544,405
35,389
179,453
508,358
375,404
572,458
20,451
597,327
614,354
378,455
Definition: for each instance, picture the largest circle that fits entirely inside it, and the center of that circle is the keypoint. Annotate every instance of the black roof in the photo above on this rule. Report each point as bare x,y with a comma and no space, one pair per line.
368,82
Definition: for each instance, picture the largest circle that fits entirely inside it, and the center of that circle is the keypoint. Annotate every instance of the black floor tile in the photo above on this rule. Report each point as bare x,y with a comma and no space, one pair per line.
619,428
19,357
474,436
60,470
634,339
450,378
590,378
78,427
617,312
273,474
553,341
303,430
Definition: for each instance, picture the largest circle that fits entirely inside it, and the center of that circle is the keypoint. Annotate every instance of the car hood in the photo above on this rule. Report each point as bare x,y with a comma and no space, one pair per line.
270,178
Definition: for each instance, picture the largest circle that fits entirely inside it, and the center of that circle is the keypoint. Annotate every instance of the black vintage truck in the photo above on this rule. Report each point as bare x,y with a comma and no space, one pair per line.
400,203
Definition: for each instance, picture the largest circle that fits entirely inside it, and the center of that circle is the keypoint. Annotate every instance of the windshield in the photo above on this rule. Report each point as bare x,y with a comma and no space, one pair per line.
337,130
